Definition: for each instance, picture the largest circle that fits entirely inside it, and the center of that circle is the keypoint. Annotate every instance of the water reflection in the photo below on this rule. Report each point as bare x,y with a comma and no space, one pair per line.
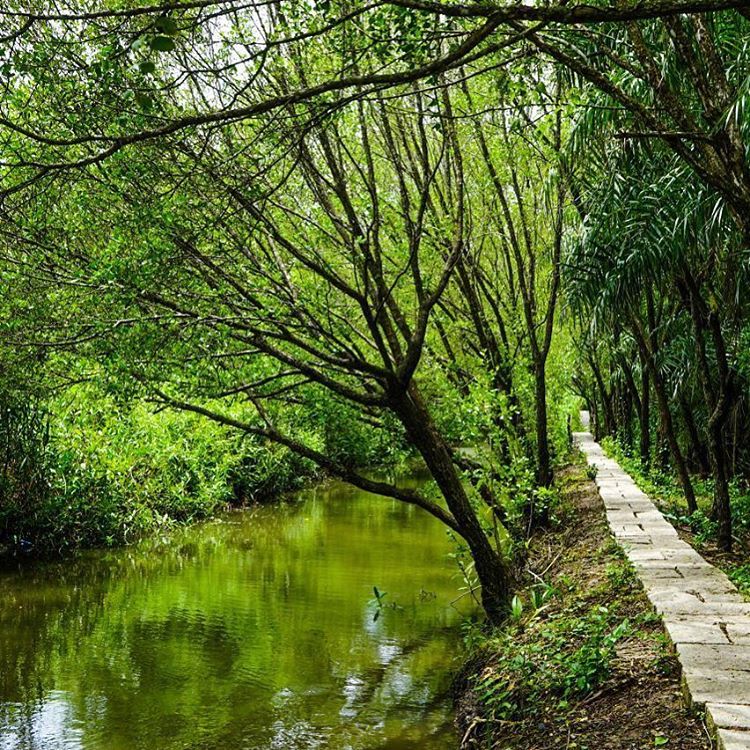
256,631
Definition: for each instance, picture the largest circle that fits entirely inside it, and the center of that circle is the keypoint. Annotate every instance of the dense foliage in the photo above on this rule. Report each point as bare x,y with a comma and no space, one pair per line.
243,243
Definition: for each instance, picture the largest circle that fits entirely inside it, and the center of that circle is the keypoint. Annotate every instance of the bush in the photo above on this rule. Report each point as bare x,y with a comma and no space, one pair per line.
98,475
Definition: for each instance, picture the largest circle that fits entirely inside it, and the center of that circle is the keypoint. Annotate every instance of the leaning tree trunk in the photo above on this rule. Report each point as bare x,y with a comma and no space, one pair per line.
491,569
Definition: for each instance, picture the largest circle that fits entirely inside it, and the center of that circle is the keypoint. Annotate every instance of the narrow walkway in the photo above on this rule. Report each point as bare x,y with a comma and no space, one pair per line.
704,614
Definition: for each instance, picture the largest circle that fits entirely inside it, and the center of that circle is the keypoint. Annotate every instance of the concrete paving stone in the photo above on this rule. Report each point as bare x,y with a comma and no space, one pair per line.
652,575
670,604
614,508
732,739
650,514
684,567
639,509
673,543
695,631
698,567
683,553
727,687
660,524
635,496
659,530
646,554
737,628
676,556
729,716
627,530
705,659
622,516
613,498
711,580
635,541
665,541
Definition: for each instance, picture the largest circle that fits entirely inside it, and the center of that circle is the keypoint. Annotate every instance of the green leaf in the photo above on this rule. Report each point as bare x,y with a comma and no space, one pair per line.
147,66
144,101
162,44
660,741
166,25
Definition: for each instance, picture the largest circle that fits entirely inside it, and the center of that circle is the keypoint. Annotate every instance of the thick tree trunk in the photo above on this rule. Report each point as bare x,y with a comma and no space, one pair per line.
491,569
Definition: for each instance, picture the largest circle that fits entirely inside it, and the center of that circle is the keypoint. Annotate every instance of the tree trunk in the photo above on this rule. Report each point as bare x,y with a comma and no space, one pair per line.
544,462
491,570
721,510
667,422
606,403
644,417
717,395
698,446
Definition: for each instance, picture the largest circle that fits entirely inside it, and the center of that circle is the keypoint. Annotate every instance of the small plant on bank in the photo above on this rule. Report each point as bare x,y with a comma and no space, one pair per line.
566,658
740,577
621,575
516,609
540,595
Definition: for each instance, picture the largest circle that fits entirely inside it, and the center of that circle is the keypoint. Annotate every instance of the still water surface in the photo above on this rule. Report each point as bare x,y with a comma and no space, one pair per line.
256,631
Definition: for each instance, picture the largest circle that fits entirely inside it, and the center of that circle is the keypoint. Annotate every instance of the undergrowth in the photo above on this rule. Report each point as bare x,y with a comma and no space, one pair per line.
90,472
561,639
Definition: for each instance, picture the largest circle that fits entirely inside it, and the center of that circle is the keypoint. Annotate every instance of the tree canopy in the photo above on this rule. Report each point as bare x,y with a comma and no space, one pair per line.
355,230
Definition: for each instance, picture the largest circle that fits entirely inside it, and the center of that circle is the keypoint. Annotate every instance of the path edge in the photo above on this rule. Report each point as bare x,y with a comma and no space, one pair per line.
705,618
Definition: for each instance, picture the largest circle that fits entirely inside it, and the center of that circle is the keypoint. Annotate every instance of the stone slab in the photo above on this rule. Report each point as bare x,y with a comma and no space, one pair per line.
706,659
695,631
730,739
728,715
729,687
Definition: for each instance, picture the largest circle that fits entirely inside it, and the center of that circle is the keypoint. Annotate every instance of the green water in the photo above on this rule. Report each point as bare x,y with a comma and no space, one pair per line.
256,631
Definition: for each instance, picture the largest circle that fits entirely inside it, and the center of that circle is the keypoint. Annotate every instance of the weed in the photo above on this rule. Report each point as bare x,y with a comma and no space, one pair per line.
740,577
566,657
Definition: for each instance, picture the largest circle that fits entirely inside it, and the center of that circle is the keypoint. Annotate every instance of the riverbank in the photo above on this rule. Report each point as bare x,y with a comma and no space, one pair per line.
86,471
584,662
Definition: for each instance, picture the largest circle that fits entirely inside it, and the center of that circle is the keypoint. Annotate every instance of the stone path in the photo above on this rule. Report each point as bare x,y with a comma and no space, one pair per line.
704,614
